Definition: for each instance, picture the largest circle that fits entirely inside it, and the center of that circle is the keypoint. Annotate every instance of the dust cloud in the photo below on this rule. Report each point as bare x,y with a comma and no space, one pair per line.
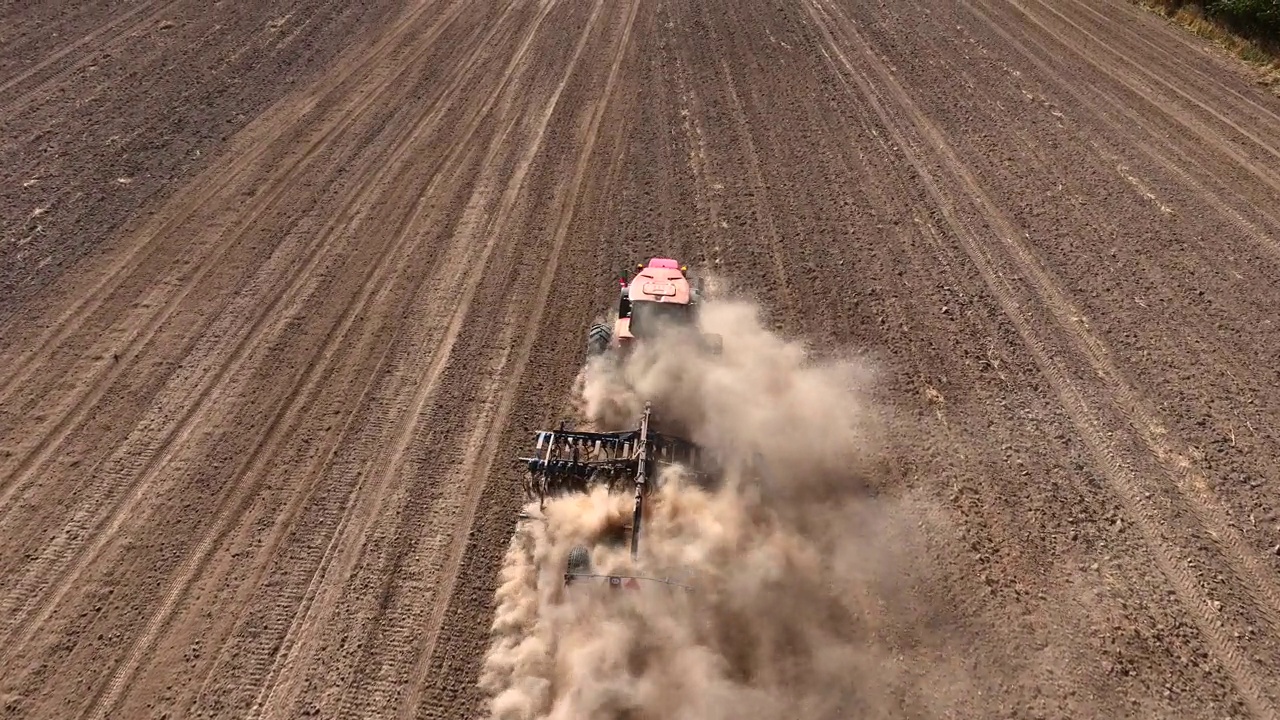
794,591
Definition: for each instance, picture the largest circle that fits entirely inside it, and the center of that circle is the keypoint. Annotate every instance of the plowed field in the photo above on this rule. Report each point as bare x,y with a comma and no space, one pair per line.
286,286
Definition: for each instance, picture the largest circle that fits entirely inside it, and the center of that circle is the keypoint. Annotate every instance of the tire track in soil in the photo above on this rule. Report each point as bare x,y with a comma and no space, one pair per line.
1215,259
282,656
1173,453
288,612
214,189
483,444
26,591
1174,46
132,471
1221,260
456,638
320,562
855,171
706,246
740,201
1122,479
1138,70
455,325
20,102
1133,82
1175,457
752,47
195,564
144,44
1180,460
1022,615
703,189
22,39
443,511
442,278
114,142
104,374
127,41
1146,139
263,453
758,191
445,355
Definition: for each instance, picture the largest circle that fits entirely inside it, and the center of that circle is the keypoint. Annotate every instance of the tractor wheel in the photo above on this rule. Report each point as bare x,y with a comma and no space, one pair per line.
598,338
579,560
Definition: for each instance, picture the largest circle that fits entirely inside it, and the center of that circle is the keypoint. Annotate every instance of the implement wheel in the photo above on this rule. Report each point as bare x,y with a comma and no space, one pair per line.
579,563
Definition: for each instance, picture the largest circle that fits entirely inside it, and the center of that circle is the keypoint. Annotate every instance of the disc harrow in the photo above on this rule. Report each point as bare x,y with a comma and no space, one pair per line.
570,461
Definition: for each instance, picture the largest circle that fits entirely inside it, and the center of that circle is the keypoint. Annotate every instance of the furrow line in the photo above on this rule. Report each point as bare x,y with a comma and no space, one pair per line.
1147,143
301,565
704,186
407,632
366,502
352,215
424,599
794,261
1144,91
19,102
1119,476
758,187
1173,454
156,440
278,432
215,185
145,460
1034,149
533,319
272,698
759,190
285,610
107,373
1133,26
419,591
1144,71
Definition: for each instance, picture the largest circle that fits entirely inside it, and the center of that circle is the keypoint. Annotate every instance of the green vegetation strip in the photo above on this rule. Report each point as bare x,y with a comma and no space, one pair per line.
1248,28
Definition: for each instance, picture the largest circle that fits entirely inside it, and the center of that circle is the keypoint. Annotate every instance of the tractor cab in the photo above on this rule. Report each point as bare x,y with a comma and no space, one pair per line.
658,294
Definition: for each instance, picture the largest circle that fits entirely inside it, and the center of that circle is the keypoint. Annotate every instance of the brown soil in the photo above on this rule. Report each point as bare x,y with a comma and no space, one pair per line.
286,286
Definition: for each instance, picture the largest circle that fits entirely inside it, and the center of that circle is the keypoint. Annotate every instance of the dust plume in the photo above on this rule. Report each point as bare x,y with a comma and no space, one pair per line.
794,591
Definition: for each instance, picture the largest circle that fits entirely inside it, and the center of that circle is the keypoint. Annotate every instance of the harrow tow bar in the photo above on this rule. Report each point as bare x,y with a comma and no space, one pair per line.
640,483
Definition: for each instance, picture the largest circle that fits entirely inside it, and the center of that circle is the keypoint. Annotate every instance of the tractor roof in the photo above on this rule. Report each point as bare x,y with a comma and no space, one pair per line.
664,263
660,281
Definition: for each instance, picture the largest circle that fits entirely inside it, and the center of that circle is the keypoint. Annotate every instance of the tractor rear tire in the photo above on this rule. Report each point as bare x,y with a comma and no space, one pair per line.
579,561
598,338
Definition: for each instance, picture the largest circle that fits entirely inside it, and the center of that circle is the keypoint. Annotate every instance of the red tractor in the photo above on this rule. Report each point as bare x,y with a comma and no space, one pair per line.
659,295
659,298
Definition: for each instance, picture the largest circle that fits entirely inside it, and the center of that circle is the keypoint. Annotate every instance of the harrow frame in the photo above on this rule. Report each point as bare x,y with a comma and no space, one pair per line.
572,461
